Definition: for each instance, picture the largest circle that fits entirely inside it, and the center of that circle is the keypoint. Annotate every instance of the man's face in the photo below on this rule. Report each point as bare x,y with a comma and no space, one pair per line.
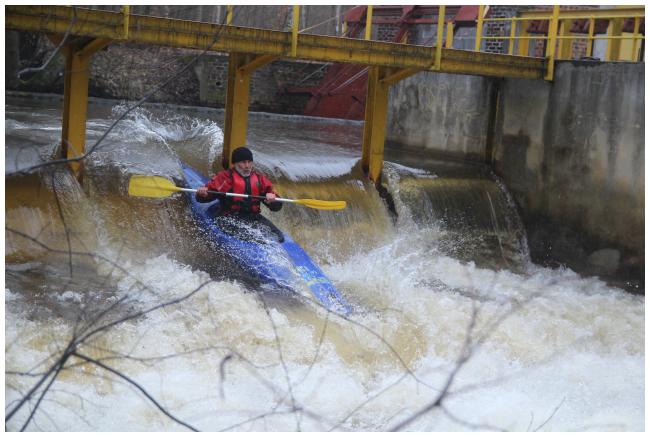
244,167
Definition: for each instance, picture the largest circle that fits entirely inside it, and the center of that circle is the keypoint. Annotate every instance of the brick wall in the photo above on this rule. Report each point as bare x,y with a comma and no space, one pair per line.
499,28
128,71
386,32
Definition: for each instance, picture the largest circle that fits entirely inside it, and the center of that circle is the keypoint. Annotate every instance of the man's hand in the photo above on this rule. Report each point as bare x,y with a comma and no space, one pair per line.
270,197
202,191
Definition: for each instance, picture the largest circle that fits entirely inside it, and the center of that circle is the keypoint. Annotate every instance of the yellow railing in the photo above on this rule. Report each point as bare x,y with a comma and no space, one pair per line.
560,39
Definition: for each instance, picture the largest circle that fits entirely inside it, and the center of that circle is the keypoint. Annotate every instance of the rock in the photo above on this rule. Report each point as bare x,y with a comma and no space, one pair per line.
606,260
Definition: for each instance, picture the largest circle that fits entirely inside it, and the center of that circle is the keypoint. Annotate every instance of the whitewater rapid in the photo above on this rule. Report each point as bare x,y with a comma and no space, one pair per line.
529,349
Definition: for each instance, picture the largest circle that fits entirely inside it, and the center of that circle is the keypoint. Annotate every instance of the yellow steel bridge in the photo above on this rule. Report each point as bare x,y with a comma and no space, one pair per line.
251,48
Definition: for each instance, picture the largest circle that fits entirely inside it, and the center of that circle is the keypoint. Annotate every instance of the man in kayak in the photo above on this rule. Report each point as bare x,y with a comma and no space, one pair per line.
241,179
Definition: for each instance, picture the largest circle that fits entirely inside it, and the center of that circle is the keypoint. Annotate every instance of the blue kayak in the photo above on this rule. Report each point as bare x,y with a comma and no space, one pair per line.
272,256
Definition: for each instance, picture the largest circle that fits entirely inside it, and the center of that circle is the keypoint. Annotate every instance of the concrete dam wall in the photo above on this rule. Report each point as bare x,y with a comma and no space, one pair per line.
571,152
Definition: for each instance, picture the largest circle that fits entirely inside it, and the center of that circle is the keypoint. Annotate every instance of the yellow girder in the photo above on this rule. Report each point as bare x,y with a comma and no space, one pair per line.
250,49
215,37
576,14
374,127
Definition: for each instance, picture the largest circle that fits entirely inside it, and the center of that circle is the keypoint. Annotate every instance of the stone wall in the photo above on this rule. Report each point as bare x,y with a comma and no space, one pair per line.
571,152
268,84
128,71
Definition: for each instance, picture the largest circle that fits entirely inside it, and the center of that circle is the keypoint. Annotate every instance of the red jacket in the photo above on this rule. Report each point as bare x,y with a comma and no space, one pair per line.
230,181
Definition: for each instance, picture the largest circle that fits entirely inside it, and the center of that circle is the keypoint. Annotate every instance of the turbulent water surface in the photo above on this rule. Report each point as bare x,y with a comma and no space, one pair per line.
120,317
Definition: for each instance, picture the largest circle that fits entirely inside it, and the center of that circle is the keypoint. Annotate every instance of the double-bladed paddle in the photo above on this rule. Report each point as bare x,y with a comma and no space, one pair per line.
159,187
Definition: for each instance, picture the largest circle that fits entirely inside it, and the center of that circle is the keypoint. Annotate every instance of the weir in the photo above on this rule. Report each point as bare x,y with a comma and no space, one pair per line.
81,32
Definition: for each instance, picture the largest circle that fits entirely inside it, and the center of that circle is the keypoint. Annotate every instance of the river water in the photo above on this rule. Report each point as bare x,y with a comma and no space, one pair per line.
454,328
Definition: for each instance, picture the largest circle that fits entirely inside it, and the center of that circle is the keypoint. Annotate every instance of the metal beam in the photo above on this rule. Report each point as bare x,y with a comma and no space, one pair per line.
240,69
614,29
75,105
215,37
258,62
374,128
575,14
479,28
126,10
551,42
94,46
236,119
513,33
635,42
522,45
449,41
440,29
396,76
368,30
295,24
564,49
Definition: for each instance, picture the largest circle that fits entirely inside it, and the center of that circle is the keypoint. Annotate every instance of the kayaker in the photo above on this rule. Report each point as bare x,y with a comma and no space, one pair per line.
241,178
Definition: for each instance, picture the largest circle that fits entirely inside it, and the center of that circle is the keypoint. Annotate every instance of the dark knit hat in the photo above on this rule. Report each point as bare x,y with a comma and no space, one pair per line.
242,154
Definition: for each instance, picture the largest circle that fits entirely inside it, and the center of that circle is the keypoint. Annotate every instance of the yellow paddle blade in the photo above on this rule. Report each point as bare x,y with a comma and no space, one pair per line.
151,186
322,204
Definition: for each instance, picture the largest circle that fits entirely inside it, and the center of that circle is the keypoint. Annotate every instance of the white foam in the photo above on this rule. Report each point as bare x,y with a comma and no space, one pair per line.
308,167
559,352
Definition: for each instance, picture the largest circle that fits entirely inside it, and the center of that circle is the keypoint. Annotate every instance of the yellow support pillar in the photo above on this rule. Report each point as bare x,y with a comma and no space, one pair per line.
511,40
635,41
240,69
551,42
614,29
590,41
126,11
229,15
564,51
75,100
374,128
295,24
368,32
479,28
439,36
236,120
523,44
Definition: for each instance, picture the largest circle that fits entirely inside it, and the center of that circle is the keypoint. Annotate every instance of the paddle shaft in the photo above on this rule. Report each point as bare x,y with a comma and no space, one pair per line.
277,199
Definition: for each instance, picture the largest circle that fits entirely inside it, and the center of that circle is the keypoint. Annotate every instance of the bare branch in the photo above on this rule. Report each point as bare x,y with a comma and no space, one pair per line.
222,373
465,355
474,426
43,393
551,416
281,357
56,50
138,386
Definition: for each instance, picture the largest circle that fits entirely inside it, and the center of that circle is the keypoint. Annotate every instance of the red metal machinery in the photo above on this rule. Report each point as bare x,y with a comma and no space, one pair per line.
342,91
